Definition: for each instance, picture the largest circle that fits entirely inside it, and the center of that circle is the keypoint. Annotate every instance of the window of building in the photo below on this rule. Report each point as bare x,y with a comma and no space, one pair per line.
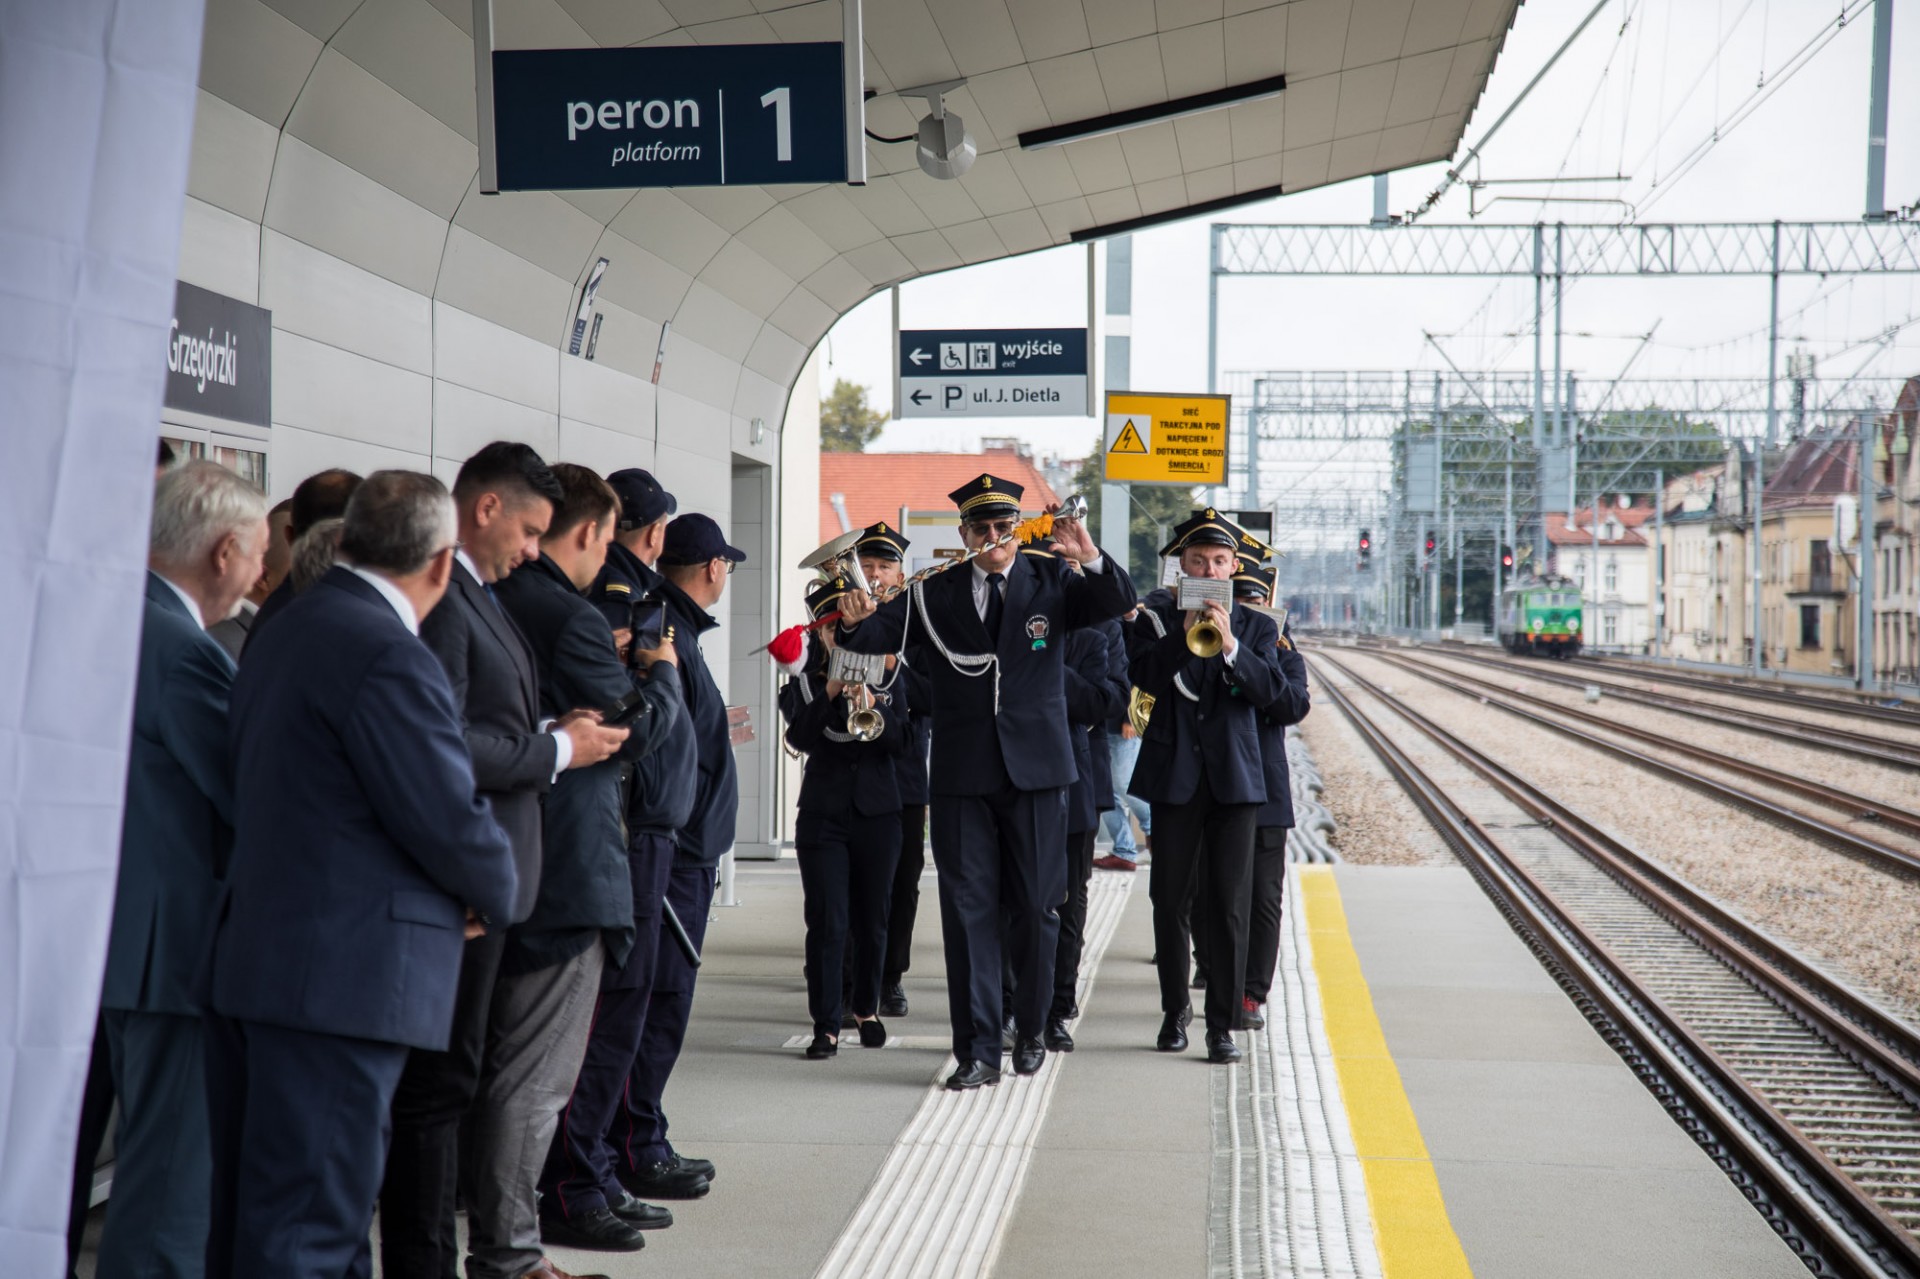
1609,628
1611,577
1809,626
1820,564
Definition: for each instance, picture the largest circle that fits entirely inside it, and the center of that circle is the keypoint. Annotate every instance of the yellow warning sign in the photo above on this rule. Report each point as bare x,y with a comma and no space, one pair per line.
1166,439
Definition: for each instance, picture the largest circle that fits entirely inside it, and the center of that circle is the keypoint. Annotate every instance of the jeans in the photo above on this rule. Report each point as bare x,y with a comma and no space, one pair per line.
1125,751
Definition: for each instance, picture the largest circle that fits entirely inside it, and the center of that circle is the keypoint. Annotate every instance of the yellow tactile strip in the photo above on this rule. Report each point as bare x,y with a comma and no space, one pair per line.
1410,1224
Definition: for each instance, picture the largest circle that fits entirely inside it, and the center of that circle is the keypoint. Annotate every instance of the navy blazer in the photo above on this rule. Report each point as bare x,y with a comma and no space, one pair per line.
491,672
584,881
661,798
843,776
1101,736
1288,706
178,827
709,828
360,842
1204,711
999,714
1090,699
910,765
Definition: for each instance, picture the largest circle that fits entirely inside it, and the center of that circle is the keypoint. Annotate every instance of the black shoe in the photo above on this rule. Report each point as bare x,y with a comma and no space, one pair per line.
822,1047
1199,979
1008,1033
665,1181
641,1216
698,1167
972,1074
596,1231
848,1021
1057,1039
1028,1054
1251,1018
873,1034
1221,1050
1073,1011
1173,1032
893,1001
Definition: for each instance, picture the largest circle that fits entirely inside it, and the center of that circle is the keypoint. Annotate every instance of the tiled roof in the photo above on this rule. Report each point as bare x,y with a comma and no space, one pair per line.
876,485
1815,471
1581,534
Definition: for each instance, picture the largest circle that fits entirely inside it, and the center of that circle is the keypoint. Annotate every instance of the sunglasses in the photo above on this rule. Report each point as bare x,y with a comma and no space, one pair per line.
991,528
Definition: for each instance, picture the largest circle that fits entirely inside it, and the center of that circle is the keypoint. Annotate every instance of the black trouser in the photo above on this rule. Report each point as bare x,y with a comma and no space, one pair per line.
640,1129
1073,924
987,849
96,1106
846,879
905,907
1219,837
579,1176
1263,924
423,1161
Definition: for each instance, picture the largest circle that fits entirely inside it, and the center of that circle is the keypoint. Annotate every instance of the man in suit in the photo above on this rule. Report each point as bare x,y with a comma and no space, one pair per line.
320,496
362,860
209,534
696,562
994,635
582,920
1200,767
504,496
231,634
581,1177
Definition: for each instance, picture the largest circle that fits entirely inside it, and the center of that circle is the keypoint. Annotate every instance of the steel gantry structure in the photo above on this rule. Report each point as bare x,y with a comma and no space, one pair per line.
1632,431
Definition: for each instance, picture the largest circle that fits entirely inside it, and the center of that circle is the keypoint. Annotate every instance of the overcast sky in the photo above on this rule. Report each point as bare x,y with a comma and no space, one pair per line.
1633,102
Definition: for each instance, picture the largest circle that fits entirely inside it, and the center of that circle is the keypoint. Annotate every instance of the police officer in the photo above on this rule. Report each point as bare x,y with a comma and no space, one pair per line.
1201,769
993,634
847,836
1253,584
882,552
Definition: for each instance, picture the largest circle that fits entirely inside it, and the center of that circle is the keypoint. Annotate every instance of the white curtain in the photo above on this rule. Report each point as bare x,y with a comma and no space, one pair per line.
96,126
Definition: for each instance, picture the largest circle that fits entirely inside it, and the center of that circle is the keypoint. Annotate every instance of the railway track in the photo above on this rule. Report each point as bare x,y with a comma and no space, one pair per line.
1803,1091
1864,705
1869,746
1856,807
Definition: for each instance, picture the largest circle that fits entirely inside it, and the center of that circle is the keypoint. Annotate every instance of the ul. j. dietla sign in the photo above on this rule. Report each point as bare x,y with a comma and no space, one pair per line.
219,357
687,115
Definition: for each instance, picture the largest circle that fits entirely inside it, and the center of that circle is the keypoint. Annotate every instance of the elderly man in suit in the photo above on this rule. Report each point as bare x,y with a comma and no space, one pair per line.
363,859
209,534
504,496
231,634
994,637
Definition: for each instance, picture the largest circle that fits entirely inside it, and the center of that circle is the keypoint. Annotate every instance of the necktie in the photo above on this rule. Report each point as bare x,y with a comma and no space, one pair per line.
996,603
494,596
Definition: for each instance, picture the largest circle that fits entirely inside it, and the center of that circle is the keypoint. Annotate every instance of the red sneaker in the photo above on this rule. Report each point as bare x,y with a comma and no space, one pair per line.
1110,862
1251,1017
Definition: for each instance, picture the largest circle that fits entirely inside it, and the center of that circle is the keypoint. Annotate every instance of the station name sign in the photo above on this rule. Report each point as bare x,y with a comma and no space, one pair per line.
669,116
219,356
992,373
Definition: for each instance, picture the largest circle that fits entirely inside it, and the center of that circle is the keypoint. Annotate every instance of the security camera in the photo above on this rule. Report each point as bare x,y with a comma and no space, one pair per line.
944,147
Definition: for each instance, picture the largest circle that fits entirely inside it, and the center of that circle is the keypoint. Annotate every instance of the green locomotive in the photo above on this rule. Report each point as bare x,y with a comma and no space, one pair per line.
1541,615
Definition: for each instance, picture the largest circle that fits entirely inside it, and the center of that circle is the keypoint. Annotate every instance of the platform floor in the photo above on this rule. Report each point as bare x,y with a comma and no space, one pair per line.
1548,1157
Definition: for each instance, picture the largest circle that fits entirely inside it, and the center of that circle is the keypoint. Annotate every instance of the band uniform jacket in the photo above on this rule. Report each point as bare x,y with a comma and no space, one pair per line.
660,799
1289,706
584,881
910,765
1090,698
999,710
177,833
1204,720
360,841
491,672
842,774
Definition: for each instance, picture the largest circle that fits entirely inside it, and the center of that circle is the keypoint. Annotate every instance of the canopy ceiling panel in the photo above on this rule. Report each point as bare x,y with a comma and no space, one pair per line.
348,127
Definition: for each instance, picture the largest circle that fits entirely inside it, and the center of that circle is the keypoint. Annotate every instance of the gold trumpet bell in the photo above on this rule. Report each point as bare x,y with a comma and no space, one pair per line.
1204,639
1139,710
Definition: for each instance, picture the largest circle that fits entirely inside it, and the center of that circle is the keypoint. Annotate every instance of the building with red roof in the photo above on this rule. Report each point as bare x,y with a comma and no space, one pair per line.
858,489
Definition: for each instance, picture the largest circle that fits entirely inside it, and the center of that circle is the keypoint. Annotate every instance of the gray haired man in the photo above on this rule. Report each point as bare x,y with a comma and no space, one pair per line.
209,537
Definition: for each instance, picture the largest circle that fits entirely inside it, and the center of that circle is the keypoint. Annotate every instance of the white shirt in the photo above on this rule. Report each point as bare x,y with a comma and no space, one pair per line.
1097,564
565,743
391,594
193,608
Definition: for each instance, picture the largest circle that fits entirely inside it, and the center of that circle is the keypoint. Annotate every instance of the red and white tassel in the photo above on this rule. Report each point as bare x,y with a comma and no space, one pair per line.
789,650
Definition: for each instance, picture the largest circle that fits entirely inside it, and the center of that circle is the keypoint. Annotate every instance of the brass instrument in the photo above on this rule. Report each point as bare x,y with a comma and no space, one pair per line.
1204,638
864,723
1139,710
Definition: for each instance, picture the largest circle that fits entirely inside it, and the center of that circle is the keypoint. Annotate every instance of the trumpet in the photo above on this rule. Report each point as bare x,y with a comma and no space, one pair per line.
1204,639
864,722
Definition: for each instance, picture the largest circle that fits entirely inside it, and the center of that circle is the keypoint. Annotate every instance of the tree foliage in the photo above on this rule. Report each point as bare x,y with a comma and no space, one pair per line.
847,424
1155,509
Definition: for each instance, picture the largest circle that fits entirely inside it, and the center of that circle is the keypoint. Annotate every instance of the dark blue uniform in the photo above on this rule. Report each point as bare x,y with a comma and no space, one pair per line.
910,774
1202,770
1271,824
1002,760
846,839
1096,681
